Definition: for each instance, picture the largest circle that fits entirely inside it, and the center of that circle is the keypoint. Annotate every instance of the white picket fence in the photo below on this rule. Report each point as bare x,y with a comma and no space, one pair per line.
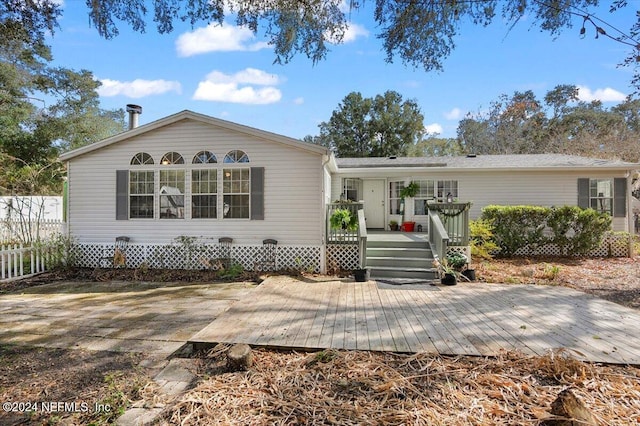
25,231
18,261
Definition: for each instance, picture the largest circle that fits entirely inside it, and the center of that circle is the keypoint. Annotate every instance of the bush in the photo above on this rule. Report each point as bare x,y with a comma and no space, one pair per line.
573,230
481,239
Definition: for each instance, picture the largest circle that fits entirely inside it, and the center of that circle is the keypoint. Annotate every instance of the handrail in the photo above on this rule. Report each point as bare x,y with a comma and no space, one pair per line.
438,236
362,238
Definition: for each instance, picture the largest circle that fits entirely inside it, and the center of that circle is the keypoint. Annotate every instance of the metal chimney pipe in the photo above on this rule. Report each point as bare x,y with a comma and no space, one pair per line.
134,111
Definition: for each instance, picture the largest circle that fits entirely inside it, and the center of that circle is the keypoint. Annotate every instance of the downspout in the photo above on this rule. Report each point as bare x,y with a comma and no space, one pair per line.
630,222
323,251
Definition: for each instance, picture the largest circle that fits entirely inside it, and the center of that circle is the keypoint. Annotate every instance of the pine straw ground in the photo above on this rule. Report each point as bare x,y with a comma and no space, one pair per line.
367,388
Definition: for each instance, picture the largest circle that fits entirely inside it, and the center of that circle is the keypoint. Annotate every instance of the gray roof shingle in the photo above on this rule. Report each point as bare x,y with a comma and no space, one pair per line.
518,161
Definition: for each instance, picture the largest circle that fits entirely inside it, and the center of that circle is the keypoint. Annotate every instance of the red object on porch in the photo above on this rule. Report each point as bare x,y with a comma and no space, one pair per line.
407,226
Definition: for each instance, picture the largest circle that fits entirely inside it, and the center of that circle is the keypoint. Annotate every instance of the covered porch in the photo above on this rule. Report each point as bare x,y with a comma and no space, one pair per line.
397,253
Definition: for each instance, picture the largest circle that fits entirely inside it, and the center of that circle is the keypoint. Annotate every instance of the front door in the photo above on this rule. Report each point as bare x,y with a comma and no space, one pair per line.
373,197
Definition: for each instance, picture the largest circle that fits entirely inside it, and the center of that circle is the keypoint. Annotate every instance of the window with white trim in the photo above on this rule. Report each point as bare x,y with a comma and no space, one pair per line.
351,189
601,195
204,187
426,192
395,201
447,188
141,194
236,192
141,158
172,194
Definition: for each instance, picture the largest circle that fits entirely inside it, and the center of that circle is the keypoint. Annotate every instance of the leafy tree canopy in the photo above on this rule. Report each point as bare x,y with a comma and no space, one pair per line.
33,131
521,124
420,33
371,127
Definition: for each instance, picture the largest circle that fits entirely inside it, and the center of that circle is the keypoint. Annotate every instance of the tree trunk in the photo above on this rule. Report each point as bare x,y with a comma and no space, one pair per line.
239,357
571,409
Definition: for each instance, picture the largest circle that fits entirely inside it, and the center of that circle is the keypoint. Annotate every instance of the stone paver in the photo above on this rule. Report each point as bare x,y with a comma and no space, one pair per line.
116,316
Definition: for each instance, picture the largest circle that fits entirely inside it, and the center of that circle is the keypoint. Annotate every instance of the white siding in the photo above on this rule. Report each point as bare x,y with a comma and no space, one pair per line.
483,188
293,189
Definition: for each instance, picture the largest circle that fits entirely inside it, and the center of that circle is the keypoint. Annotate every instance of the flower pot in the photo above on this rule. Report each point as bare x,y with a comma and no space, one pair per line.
361,275
393,227
470,274
449,279
408,226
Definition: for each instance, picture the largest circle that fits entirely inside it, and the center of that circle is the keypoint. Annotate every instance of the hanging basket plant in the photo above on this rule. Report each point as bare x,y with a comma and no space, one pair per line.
343,219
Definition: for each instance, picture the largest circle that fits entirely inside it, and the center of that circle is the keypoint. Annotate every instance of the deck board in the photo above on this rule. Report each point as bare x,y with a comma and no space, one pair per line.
467,319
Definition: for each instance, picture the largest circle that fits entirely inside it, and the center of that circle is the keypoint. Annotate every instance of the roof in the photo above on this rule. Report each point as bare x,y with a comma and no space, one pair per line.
190,115
487,162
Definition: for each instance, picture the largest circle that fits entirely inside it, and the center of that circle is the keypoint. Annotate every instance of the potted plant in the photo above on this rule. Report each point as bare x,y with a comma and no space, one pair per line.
393,225
343,219
448,275
409,191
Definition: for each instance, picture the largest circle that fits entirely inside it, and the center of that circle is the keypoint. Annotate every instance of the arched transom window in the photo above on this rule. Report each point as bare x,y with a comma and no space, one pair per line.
236,156
205,157
172,158
141,158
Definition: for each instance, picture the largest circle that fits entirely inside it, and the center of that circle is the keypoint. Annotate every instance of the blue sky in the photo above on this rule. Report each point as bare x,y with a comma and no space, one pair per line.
228,73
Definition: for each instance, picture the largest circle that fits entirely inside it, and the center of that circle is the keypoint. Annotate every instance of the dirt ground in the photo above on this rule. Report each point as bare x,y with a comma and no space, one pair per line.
54,386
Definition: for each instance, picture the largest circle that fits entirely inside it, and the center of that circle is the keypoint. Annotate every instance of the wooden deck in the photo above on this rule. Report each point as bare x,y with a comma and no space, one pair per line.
467,319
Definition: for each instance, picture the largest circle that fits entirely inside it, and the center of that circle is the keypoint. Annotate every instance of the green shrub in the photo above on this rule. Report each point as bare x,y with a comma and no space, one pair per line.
481,239
573,230
343,219
515,227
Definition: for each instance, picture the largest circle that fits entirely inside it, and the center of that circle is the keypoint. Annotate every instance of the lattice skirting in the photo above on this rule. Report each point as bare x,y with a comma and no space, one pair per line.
200,256
464,250
613,245
341,256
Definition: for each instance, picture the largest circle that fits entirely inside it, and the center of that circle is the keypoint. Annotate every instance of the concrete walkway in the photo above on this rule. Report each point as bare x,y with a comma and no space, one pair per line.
155,318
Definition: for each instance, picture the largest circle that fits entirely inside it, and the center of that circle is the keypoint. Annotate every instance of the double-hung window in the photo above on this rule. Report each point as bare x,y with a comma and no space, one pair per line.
447,188
236,186
204,187
601,195
426,192
395,202
141,193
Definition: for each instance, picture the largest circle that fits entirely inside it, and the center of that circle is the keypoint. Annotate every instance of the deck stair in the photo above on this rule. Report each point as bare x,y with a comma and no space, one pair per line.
399,255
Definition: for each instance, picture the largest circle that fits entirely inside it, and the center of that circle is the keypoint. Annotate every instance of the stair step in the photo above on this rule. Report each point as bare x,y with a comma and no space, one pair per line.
396,272
397,244
404,262
424,253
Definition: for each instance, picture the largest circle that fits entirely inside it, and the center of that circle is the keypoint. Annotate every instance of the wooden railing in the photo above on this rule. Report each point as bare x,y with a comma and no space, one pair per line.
362,238
342,236
438,236
455,220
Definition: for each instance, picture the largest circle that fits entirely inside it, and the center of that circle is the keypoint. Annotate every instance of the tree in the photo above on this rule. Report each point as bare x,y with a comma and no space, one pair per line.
420,33
433,146
32,134
562,124
372,127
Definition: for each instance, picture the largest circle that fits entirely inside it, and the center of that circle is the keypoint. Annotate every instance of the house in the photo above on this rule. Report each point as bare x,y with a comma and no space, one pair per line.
535,179
191,175
197,176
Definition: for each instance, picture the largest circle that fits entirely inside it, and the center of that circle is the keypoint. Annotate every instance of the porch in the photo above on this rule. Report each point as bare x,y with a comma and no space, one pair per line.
399,254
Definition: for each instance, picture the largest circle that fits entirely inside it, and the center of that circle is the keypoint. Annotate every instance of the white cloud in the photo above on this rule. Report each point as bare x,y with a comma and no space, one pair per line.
433,129
298,101
352,32
218,38
239,87
137,88
454,114
604,95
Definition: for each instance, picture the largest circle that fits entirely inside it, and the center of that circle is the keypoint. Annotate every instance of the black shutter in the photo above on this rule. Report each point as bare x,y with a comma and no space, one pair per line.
583,193
619,197
257,193
122,194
